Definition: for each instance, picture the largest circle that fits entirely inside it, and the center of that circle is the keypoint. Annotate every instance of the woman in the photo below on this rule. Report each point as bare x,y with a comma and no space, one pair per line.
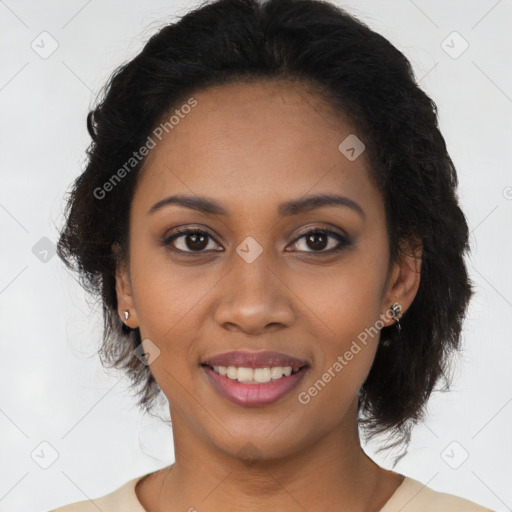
269,215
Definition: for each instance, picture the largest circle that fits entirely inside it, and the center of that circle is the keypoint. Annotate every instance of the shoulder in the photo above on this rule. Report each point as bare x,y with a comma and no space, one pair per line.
413,496
123,498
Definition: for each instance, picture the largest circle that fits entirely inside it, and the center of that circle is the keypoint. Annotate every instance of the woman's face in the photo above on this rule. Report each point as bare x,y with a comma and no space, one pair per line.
251,281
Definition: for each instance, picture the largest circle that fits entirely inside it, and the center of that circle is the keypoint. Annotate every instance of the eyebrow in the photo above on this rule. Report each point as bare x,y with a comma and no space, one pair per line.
288,208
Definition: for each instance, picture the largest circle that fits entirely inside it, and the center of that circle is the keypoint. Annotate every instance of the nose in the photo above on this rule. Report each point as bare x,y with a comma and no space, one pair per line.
254,298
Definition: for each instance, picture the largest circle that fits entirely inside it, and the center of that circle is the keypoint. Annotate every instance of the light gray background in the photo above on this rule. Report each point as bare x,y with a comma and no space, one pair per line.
53,387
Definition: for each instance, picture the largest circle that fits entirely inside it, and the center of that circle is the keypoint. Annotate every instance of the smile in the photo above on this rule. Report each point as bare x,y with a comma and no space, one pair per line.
254,387
255,375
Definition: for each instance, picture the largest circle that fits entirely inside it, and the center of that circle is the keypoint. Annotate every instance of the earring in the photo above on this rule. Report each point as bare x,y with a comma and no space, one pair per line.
396,312
126,315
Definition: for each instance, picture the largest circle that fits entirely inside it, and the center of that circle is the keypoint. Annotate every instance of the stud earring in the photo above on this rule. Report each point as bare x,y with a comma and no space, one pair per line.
126,315
396,312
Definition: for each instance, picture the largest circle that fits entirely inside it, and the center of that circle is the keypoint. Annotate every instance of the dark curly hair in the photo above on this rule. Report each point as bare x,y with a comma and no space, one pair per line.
364,78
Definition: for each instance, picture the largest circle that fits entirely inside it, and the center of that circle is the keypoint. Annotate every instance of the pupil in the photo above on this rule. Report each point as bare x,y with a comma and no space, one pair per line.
314,238
195,238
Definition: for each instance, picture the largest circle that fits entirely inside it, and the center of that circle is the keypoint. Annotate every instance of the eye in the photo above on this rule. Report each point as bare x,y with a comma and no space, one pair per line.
318,240
189,240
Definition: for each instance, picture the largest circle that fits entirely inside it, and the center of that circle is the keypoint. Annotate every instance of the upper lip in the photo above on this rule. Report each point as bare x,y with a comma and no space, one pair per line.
242,358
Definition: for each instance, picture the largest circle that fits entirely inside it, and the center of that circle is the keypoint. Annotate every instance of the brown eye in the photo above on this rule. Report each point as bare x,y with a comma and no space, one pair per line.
189,240
318,240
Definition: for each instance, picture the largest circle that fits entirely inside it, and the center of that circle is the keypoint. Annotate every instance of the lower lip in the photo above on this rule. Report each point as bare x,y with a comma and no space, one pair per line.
254,395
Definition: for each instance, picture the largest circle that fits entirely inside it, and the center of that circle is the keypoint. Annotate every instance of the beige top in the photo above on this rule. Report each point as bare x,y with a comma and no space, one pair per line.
410,496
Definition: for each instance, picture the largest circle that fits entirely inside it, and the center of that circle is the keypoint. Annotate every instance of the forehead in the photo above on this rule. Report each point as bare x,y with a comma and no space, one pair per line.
248,143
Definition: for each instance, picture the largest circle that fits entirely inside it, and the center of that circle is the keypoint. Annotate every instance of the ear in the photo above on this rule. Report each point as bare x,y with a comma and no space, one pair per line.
404,279
125,301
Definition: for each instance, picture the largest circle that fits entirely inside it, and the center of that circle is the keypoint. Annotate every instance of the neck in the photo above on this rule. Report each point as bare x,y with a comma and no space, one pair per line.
333,473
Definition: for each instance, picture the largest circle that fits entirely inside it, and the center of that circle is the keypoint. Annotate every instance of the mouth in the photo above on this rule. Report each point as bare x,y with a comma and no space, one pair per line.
254,375
253,379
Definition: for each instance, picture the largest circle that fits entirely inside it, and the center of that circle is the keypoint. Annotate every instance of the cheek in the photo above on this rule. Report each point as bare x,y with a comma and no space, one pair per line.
343,359
345,297
346,301
168,296
170,308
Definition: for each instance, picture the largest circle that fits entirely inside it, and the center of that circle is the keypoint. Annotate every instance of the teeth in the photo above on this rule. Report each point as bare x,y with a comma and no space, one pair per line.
256,375
276,372
243,374
262,374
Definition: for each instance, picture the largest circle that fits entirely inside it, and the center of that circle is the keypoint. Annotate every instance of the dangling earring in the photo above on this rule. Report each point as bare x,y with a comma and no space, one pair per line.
396,311
126,315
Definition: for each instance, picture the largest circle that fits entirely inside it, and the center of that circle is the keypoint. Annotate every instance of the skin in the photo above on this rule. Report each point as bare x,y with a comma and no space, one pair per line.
251,147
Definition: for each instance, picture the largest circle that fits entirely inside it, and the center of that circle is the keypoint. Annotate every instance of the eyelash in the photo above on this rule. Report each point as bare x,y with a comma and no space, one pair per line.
181,232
